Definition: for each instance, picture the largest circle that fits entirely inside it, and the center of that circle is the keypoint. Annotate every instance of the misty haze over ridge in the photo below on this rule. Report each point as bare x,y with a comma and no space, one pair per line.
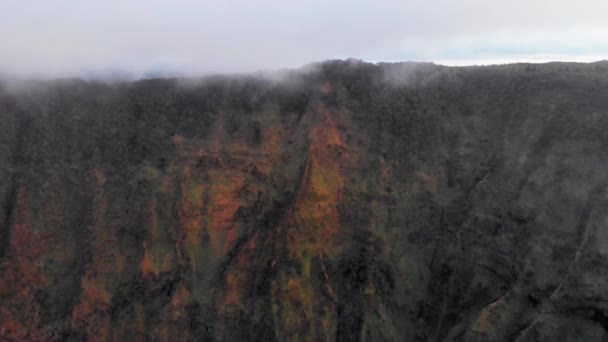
124,75
138,39
223,171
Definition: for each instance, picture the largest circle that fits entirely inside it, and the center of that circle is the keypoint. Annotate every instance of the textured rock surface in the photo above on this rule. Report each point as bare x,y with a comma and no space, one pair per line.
346,201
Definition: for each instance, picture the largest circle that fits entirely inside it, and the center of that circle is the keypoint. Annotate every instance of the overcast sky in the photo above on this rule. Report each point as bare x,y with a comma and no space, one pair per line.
72,38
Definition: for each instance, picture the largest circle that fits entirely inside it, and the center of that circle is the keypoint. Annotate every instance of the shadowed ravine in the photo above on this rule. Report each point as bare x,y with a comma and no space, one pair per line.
341,202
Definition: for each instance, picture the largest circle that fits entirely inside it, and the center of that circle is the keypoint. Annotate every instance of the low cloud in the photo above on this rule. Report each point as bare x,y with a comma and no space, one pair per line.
133,39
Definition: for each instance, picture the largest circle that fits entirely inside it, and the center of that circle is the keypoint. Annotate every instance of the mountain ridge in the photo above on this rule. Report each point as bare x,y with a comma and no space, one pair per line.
348,201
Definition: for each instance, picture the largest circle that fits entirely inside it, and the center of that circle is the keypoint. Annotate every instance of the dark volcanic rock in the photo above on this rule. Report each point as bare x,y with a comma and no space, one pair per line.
345,201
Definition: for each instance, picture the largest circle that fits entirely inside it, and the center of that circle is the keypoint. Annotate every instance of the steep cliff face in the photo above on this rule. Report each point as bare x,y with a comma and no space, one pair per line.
349,201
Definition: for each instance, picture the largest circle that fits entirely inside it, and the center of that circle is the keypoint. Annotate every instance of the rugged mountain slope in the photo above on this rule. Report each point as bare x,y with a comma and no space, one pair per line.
346,201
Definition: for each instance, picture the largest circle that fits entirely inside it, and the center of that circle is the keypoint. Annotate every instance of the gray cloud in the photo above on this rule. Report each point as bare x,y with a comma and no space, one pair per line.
137,37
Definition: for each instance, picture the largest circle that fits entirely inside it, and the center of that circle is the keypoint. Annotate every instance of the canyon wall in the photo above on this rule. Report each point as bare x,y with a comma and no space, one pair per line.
343,201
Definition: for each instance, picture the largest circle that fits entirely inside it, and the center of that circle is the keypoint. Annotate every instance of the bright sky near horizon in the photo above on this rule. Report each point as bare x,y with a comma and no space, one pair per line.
64,38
